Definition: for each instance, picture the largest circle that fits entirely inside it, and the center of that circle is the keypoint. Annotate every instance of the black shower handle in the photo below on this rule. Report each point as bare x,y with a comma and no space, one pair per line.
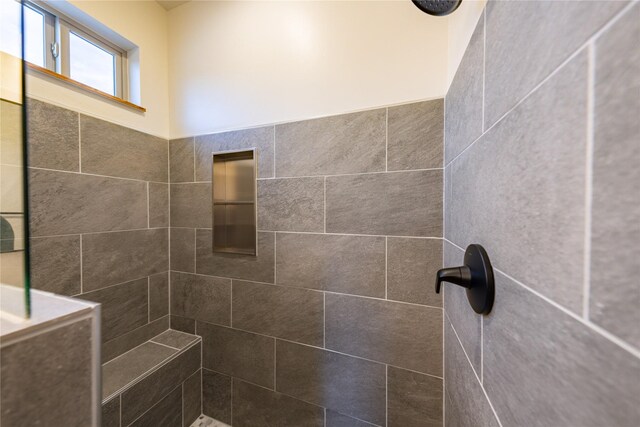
476,275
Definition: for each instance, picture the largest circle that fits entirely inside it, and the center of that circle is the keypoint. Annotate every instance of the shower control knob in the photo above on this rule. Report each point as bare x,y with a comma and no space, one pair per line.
476,275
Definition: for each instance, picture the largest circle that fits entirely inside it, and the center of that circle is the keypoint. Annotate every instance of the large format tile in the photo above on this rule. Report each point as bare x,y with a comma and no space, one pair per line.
181,160
348,143
69,203
342,383
143,395
167,412
132,365
615,295
292,204
52,132
259,138
335,419
349,264
216,396
47,379
111,413
125,342
283,312
191,205
543,367
255,406
413,400
548,32
183,249
415,135
110,258
534,189
399,334
110,149
467,405
183,324
399,204
158,296
176,339
259,268
463,103
467,323
55,264
192,398
201,298
158,205
237,353
124,307
411,270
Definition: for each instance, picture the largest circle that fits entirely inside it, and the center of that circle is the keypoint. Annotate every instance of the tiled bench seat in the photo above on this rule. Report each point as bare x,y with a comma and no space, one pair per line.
147,385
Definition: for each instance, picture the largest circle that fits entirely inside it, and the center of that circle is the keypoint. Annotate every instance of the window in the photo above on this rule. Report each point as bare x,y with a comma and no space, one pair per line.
58,44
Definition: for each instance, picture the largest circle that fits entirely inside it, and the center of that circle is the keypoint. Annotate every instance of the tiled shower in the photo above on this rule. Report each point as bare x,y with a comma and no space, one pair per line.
532,153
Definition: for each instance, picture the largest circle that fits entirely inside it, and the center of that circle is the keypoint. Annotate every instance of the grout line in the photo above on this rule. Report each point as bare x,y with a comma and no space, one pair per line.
231,304
193,145
275,363
324,319
148,208
81,274
386,140
386,266
167,345
484,61
482,349
325,205
148,300
333,175
182,399
231,401
586,295
275,256
386,395
95,174
341,234
274,151
120,397
79,145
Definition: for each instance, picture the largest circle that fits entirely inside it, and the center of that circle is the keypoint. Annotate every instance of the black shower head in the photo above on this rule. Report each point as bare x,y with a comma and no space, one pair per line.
437,7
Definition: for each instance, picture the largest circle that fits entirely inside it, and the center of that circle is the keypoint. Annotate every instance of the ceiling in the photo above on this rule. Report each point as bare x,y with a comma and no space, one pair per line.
170,4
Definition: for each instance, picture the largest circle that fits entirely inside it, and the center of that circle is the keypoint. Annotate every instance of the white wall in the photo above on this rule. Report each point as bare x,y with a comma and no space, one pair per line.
461,25
239,64
145,24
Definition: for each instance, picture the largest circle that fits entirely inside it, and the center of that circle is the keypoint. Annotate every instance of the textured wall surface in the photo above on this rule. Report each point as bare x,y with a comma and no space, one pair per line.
99,217
542,153
337,311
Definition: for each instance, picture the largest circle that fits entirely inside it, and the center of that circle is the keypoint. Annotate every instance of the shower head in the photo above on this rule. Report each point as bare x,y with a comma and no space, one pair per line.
437,7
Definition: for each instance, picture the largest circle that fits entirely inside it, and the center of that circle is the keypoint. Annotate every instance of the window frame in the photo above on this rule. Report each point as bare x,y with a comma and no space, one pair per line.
57,30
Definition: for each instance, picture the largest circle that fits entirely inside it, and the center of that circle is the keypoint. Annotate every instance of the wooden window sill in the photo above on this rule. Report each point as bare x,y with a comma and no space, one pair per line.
84,87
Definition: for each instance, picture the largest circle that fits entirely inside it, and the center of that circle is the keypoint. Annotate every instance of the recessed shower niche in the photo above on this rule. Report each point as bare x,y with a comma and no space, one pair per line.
234,202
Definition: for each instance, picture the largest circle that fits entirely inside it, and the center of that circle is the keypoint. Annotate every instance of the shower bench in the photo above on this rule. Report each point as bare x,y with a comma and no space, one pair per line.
155,384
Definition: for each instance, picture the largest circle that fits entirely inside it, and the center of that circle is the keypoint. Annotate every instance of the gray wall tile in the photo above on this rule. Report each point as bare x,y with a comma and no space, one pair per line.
53,136
255,406
181,160
259,268
411,268
201,298
47,379
113,150
144,394
158,205
415,135
615,295
566,383
176,339
260,138
237,353
536,178
167,412
399,204
55,264
526,41
344,384
334,419
467,323
124,307
183,249
125,369
191,205
348,143
349,264
158,296
463,103
183,324
192,398
292,204
399,334
69,203
466,403
110,258
283,312
413,400
125,342
216,396
111,413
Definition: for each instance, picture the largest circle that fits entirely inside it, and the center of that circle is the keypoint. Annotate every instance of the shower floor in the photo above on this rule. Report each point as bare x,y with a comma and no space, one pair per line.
204,421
